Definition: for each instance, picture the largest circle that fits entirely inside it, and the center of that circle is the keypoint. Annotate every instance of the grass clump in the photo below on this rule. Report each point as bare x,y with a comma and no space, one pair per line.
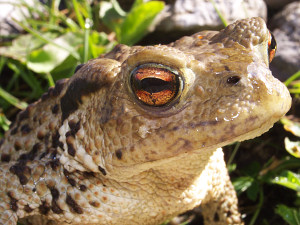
55,41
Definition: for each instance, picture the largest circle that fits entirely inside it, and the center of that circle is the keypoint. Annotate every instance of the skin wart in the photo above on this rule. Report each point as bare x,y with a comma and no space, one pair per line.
134,136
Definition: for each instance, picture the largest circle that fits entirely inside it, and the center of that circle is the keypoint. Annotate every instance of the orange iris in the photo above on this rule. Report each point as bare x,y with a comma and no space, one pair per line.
154,86
272,46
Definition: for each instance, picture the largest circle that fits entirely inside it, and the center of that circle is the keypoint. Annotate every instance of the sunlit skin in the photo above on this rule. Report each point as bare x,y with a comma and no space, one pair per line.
134,136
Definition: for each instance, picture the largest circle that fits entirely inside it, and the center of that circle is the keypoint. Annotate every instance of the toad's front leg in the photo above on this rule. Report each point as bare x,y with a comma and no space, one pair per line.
29,188
221,204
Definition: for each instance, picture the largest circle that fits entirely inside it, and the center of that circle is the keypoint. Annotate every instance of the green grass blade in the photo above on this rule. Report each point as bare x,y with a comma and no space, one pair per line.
222,18
86,10
117,7
71,24
29,78
236,147
53,11
294,90
2,63
296,84
61,20
47,40
12,100
88,24
78,14
50,80
292,78
47,25
37,9
4,122
12,81
259,206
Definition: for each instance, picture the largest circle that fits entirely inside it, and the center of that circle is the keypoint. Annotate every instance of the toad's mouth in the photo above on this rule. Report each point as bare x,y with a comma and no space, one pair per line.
200,154
184,146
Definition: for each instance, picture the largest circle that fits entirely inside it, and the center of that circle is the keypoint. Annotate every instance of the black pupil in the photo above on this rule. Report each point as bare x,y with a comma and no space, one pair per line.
154,85
273,42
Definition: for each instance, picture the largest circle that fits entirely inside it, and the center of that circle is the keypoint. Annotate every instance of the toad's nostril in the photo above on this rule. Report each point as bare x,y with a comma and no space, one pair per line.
78,67
233,79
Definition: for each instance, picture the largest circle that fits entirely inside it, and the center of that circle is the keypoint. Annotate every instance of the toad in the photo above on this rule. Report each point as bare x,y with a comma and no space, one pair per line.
135,136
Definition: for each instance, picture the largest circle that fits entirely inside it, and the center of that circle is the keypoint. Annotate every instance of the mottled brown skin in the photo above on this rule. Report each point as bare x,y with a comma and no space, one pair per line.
90,152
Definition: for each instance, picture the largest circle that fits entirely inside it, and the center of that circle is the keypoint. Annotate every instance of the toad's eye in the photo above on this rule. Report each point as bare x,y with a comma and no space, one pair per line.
155,84
272,46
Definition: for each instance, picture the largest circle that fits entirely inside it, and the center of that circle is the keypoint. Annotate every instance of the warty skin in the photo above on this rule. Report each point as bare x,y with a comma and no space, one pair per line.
90,151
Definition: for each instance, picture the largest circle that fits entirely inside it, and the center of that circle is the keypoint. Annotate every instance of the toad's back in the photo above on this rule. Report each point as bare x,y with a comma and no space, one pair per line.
133,137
